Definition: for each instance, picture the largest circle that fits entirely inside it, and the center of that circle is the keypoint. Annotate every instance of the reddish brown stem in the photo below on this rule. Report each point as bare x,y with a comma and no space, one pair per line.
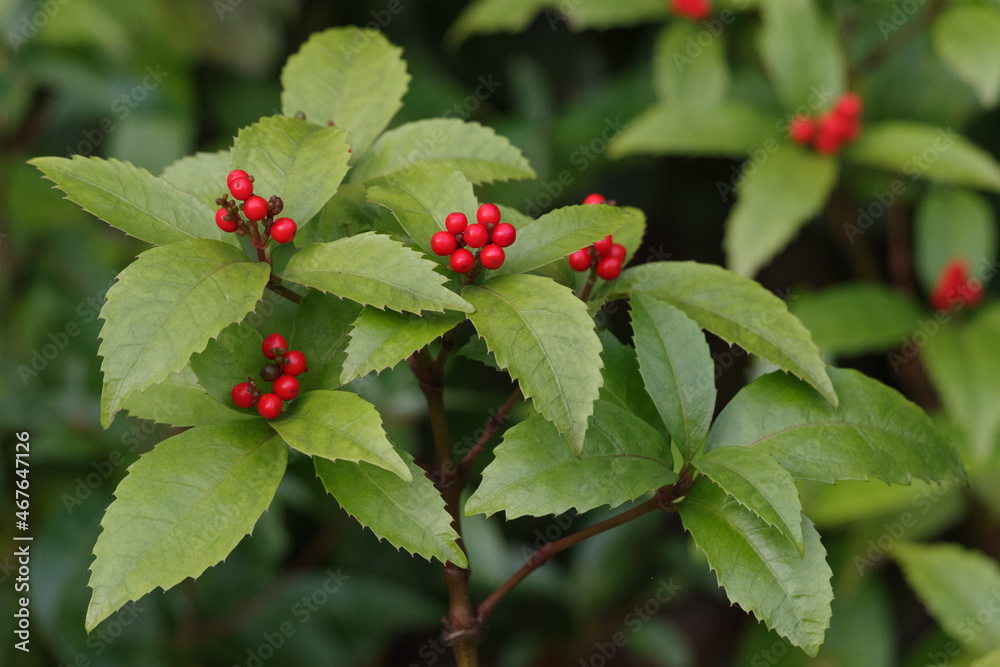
493,425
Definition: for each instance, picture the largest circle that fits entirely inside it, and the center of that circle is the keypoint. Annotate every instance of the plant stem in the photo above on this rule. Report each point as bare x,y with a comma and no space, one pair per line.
275,286
494,424
589,285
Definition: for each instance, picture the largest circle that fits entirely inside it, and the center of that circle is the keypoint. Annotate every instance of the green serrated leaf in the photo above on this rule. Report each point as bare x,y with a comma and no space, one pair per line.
726,130
760,484
180,401
374,270
381,339
925,151
165,307
874,433
801,51
478,152
533,474
953,223
300,162
775,200
339,425
322,325
182,508
544,337
734,308
202,175
965,38
230,358
350,76
421,198
410,516
687,72
760,569
678,370
560,232
133,200
623,385
959,586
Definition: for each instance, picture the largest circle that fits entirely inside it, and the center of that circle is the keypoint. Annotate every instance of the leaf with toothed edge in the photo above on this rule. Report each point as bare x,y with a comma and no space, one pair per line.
165,307
228,359
180,401
542,335
201,175
133,200
322,325
410,516
182,508
374,270
760,569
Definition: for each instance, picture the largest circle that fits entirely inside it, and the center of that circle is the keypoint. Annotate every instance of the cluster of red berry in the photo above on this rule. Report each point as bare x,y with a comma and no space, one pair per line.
696,10
487,233
605,256
832,129
954,287
285,364
256,209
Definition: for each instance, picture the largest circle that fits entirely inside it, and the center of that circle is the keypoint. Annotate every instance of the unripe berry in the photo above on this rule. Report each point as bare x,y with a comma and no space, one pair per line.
802,130
580,260
234,174
594,198
295,363
224,224
242,396
269,406
272,342
286,387
283,230
456,223
503,234
443,243
462,260
609,268
255,208
618,251
270,372
603,247
241,188
476,236
488,214
491,256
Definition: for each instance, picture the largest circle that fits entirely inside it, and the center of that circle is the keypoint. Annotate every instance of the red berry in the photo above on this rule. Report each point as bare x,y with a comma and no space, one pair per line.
953,287
456,223
283,230
696,10
830,134
580,260
476,236
295,363
503,234
241,188
224,224
272,342
849,106
286,387
255,208
802,129
594,199
603,247
491,256
609,268
462,260
234,174
618,251
488,214
242,396
269,406
443,243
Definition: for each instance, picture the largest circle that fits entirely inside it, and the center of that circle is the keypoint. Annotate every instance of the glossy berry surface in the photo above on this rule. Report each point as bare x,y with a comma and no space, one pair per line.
443,243
603,247
286,387
255,208
241,188
270,372
456,223
269,406
462,260
618,251
580,260
271,342
283,230
242,396
488,214
224,224
295,363
234,174
594,198
503,234
476,236
492,256
609,268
